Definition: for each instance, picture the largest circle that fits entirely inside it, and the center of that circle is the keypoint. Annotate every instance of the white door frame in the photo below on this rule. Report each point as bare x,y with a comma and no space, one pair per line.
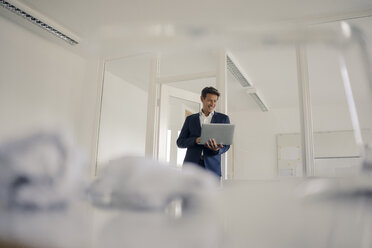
154,100
165,93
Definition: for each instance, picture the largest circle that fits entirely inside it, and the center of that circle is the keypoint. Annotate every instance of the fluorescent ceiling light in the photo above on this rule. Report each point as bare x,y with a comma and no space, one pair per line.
29,17
239,75
253,93
237,72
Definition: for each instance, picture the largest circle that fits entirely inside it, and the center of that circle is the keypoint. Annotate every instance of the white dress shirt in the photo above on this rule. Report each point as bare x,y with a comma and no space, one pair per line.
205,119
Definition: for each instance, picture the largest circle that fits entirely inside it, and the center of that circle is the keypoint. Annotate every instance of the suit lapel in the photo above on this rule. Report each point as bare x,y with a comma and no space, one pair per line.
214,117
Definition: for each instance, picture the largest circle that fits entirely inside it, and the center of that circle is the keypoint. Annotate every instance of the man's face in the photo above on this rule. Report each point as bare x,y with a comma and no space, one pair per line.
209,103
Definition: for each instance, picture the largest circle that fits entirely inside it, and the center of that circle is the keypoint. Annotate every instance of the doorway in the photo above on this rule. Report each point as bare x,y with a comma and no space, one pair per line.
175,105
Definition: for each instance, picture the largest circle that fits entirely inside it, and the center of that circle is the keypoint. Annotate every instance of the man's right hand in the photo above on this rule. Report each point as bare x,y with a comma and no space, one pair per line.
197,141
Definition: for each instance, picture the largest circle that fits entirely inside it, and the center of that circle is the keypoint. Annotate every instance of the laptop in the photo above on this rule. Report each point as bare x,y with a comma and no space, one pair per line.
222,133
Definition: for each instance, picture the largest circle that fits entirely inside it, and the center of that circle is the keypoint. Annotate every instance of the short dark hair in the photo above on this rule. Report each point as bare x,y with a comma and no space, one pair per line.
210,90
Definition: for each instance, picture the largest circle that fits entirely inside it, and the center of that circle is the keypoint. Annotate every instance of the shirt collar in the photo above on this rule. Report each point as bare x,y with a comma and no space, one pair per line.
202,114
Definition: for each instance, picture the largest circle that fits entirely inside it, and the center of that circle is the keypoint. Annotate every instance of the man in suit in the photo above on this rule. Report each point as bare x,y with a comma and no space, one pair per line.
207,156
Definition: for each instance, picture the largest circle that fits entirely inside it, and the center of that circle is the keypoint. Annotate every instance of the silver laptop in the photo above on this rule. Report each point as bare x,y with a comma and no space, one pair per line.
222,133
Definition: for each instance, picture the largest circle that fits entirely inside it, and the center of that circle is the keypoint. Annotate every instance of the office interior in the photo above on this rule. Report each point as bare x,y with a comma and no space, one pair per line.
93,95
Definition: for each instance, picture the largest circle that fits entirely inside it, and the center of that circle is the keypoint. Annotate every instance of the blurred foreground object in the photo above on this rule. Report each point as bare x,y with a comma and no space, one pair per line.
145,203
310,212
143,184
42,179
41,171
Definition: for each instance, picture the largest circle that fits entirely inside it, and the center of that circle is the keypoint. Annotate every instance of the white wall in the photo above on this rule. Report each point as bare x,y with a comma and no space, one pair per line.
123,119
255,151
255,141
45,84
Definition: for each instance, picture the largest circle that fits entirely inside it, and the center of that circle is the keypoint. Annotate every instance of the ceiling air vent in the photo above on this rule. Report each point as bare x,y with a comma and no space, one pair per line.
37,22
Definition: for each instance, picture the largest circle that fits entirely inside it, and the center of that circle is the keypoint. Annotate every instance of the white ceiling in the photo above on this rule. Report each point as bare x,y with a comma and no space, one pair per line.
189,35
114,28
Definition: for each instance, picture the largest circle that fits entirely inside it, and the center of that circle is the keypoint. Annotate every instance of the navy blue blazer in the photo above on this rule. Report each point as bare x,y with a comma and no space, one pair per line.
190,131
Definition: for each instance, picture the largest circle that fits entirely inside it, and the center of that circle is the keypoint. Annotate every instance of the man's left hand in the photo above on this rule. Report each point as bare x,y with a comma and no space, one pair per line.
211,144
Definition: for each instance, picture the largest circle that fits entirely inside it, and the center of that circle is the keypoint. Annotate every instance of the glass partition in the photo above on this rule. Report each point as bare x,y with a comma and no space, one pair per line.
266,113
262,81
337,148
124,108
182,76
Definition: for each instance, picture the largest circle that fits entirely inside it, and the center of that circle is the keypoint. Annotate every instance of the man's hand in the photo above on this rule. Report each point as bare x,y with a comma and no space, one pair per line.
197,141
211,144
